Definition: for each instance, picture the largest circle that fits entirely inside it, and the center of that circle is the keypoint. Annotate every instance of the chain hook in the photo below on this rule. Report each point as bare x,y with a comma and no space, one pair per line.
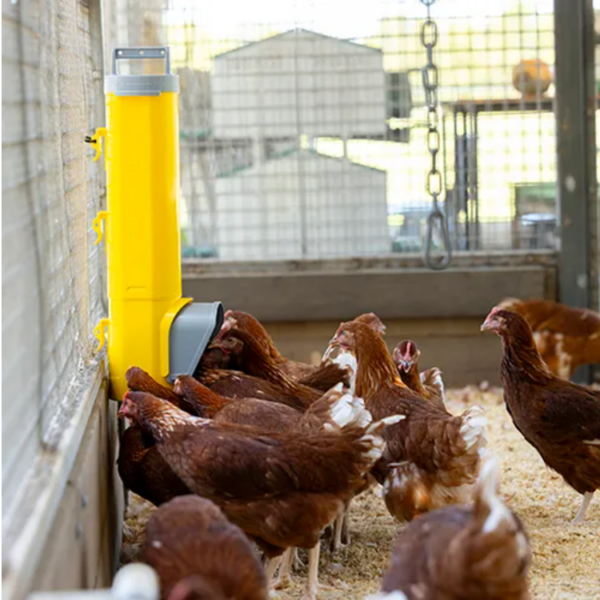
437,264
434,183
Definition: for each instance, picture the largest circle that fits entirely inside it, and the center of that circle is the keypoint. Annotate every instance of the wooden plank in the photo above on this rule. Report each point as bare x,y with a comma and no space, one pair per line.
79,551
402,293
456,346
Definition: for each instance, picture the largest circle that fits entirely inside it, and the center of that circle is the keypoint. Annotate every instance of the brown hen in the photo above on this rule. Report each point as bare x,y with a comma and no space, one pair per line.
144,471
428,384
282,489
334,409
479,552
140,381
249,330
565,337
235,384
198,554
432,458
560,419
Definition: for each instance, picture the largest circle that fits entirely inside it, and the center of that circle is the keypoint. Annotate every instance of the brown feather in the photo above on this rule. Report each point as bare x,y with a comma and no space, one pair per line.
190,543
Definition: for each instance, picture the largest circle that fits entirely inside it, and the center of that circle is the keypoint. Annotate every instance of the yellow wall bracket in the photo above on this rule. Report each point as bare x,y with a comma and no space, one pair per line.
96,141
97,226
100,333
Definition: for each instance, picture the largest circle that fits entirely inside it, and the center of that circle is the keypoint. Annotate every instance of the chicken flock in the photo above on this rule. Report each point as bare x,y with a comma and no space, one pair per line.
256,455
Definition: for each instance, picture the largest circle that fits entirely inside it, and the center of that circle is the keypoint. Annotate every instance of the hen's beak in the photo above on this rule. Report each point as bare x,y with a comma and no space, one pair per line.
488,324
404,364
334,343
224,329
177,387
123,409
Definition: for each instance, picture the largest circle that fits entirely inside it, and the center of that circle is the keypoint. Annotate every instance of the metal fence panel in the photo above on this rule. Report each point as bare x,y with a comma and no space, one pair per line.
51,272
270,97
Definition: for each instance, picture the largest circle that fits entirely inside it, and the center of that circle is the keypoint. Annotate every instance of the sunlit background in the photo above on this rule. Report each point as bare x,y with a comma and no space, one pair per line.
241,199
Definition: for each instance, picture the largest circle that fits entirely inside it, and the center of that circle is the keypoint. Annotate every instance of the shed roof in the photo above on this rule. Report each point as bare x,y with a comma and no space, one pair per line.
291,32
288,153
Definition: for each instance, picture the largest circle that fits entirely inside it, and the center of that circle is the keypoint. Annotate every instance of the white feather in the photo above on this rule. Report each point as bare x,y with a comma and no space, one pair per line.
395,595
350,410
487,486
348,361
473,429
592,442
376,440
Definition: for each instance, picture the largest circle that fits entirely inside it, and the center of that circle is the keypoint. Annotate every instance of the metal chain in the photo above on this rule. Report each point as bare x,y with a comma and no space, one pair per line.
434,184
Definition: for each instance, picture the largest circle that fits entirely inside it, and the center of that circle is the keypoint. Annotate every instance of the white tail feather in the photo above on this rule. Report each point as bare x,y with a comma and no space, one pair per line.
473,429
434,378
487,492
373,435
387,421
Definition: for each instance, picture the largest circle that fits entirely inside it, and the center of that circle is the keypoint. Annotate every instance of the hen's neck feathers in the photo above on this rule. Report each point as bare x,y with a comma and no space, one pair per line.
376,368
521,359
259,334
160,419
205,396
259,361
412,380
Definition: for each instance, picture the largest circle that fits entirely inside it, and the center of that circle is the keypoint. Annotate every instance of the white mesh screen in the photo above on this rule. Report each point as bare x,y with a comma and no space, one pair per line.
52,273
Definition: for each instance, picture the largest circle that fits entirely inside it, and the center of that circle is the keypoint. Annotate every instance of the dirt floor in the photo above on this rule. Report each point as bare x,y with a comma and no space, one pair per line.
566,558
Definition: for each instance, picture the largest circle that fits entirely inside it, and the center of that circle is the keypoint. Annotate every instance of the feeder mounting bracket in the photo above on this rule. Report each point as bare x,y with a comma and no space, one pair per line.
96,141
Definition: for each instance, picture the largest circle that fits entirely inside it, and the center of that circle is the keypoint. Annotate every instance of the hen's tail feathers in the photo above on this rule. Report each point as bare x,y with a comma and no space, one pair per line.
492,515
373,435
488,504
508,303
433,378
473,430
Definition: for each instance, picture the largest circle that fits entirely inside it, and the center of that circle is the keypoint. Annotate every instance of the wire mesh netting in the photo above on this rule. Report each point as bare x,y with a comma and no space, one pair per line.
51,272
304,131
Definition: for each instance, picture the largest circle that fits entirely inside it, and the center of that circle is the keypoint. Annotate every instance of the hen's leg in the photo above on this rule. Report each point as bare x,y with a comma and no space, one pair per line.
346,527
284,575
271,568
313,573
297,563
585,502
338,526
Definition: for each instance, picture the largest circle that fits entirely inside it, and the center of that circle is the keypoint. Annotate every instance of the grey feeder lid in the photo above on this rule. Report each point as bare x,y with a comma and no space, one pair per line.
192,330
141,85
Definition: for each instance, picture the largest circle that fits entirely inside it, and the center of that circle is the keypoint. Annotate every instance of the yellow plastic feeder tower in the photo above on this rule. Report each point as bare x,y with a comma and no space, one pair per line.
149,324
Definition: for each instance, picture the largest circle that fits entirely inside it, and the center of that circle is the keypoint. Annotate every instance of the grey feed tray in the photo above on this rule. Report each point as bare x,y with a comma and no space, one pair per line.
192,330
